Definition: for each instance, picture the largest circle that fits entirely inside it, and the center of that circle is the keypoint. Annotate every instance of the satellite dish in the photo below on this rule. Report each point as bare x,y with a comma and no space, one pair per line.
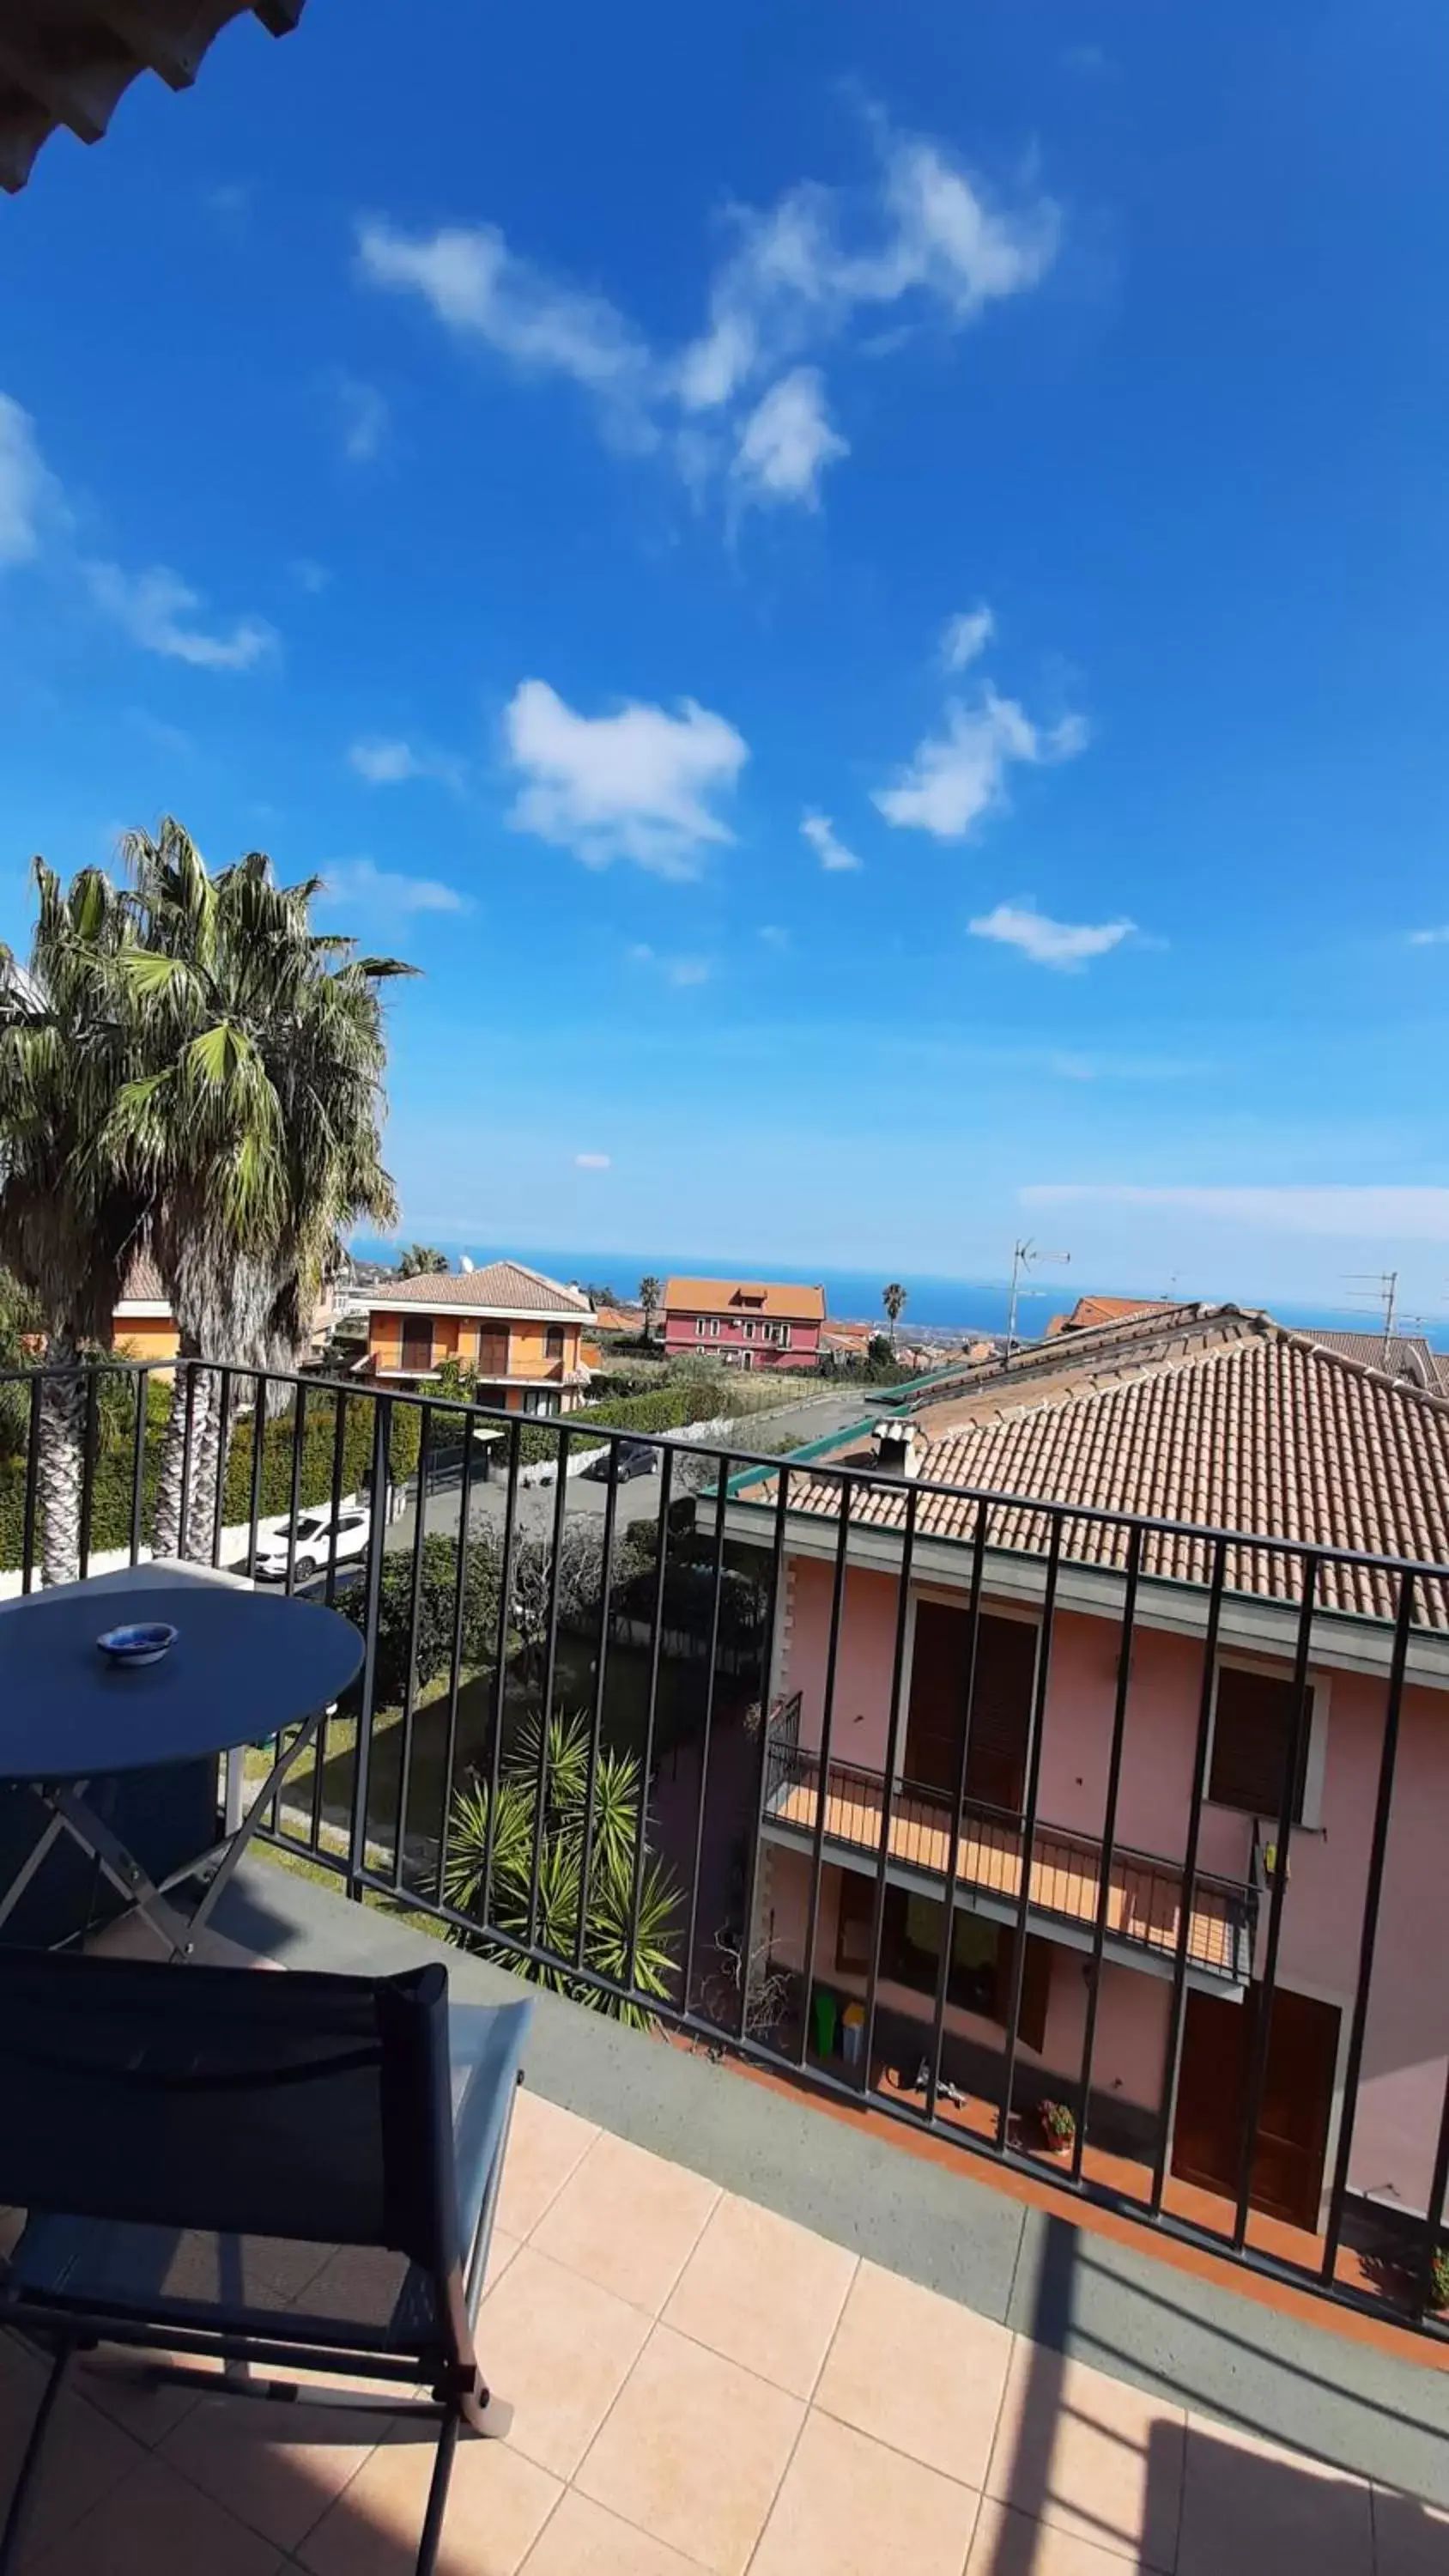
466,1266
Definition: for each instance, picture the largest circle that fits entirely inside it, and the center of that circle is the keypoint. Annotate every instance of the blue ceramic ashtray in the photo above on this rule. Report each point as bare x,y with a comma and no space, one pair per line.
144,1643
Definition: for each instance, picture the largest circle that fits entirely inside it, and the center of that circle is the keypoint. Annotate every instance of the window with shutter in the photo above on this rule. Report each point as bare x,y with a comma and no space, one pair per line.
1253,1722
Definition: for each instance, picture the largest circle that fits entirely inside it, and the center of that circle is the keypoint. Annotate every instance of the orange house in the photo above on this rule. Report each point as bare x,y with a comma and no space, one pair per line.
520,1332
143,1326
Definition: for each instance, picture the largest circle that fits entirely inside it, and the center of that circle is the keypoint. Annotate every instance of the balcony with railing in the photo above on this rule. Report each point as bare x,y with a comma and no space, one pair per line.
915,1828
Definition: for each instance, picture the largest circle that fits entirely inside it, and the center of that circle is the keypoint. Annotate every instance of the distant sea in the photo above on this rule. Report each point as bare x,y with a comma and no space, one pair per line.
933,1304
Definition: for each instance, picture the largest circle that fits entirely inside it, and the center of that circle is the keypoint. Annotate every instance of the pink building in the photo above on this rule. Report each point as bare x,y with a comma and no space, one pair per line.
1209,1417
747,1323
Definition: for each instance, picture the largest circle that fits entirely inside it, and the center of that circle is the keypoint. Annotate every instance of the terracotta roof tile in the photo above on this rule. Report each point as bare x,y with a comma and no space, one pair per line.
143,1285
500,1287
1246,1428
785,1300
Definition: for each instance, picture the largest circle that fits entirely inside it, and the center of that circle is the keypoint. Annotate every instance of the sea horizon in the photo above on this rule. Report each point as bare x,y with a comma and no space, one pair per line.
935,1302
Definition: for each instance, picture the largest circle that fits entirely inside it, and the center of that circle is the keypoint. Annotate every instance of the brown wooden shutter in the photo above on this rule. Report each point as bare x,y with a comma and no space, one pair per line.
1036,1978
1001,1712
1252,1740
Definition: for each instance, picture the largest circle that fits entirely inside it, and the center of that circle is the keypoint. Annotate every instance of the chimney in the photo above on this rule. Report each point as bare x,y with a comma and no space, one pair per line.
898,1447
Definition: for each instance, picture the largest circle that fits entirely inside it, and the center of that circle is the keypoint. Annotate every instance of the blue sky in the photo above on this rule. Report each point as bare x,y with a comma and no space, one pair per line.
865,593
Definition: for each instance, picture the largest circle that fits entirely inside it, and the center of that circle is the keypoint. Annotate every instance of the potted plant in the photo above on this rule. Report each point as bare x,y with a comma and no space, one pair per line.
1058,2127
1439,2277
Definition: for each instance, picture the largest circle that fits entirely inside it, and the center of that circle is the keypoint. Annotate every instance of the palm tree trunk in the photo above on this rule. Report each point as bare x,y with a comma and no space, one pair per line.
58,1467
209,1441
177,1465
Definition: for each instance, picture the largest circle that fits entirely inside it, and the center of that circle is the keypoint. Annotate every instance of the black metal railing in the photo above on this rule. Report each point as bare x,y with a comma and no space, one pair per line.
1145,1892
592,1730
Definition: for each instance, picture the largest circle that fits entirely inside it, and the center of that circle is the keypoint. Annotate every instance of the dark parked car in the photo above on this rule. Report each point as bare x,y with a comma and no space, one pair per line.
636,1458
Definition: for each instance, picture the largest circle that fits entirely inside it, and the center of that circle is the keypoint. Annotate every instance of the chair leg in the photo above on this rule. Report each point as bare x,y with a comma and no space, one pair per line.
11,2536
432,2537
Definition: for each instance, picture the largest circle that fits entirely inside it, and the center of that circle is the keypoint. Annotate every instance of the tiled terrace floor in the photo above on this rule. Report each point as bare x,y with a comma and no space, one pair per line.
699,2383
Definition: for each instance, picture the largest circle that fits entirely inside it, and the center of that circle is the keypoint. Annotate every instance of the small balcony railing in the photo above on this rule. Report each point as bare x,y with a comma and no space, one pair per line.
1145,1893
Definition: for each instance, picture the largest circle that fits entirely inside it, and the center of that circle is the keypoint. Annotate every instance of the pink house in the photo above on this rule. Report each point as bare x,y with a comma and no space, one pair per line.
1214,1418
747,1323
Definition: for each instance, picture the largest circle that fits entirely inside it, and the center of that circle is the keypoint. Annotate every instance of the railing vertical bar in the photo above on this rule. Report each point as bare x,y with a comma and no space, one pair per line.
762,1775
254,1497
646,1758
88,1473
958,1809
1434,2213
500,1669
550,1672
339,1440
223,1447
1373,1892
32,1486
716,1593
1109,1838
586,1854
1028,1825
294,1506
376,1537
1263,2025
138,1463
888,1786
1177,2009
410,1685
460,1603
822,1795
188,1434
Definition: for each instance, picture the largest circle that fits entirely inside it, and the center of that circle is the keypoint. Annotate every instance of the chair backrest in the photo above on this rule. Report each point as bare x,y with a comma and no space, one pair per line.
228,2099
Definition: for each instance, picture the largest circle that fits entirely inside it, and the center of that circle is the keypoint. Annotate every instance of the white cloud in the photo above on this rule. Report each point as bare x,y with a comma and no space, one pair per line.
636,785
158,611
363,418
679,971
388,891
956,777
386,761
1367,1213
592,1162
1064,944
313,577
478,287
30,496
773,936
922,242
833,855
964,638
787,442
1430,938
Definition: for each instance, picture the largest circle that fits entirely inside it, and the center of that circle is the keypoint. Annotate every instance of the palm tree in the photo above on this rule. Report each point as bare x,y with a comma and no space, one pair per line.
251,1127
893,1299
630,1949
70,1220
420,1261
650,1294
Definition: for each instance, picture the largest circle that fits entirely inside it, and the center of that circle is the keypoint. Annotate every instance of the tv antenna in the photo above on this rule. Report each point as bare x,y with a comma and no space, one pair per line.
1381,1292
1024,1257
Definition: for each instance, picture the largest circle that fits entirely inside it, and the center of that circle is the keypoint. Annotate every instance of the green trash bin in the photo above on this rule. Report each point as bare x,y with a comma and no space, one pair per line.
827,2009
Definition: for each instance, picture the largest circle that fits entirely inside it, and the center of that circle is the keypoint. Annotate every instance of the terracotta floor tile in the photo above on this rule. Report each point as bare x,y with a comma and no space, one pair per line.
276,2467
148,2409
1011,2544
85,2454
1249,2504
1090,2455
917,2371
627,2220
157,2524
763,2292
580,2539
1410,2539
693,2451
497,2505
501,2249
544,2145
358,2284
850,2507
558,2350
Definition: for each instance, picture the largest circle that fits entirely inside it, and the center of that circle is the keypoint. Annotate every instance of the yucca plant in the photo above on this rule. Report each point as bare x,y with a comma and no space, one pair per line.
543,1798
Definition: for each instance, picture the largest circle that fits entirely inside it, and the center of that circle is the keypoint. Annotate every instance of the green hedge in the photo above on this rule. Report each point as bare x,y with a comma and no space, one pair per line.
437,1608
664,1408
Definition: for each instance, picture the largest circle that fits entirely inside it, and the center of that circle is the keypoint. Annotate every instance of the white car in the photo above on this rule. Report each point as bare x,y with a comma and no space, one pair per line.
314,1543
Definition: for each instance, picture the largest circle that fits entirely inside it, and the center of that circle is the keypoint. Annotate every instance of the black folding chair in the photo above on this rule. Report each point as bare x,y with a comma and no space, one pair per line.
175,2138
